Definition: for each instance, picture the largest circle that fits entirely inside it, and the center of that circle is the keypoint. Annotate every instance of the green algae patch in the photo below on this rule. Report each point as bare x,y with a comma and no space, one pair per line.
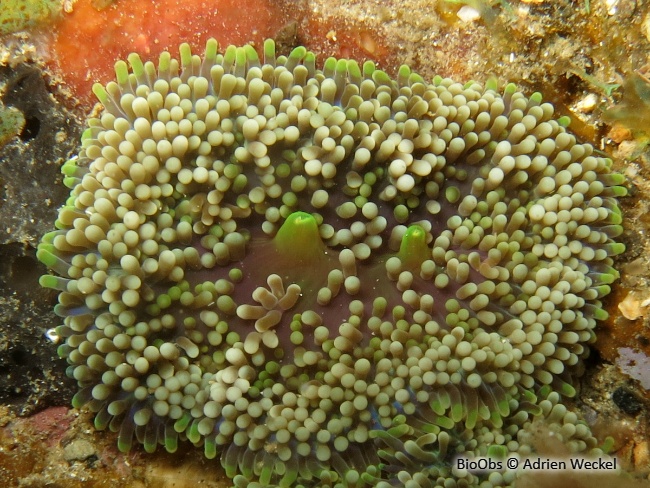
633,111
18,15
12,122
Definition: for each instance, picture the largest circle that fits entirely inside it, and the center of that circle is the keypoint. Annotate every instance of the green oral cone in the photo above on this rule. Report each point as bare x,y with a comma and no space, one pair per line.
298,241
413,250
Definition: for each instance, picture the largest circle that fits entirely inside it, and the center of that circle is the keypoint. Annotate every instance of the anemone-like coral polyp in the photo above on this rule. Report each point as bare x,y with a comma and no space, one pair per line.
329,277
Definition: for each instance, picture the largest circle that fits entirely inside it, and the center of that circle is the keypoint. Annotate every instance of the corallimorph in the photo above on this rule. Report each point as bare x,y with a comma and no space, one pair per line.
329,278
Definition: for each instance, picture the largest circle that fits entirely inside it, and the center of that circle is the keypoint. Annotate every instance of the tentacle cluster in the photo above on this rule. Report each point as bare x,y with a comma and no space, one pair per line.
328,277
